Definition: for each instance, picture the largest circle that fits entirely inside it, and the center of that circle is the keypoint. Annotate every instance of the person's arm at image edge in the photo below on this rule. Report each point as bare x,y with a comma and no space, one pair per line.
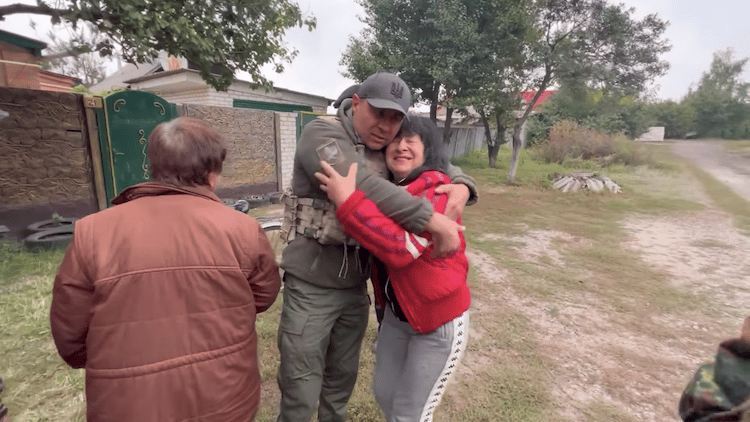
70,312
264,278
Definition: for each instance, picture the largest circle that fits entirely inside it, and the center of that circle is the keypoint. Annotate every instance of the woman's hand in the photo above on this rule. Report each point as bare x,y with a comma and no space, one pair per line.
337,187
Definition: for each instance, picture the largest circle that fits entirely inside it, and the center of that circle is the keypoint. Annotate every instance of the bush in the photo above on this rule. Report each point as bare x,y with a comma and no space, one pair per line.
571,143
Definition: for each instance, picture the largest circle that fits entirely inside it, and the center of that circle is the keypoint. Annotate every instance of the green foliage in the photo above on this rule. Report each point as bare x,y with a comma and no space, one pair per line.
603,45
105,92
531,172
593,108
80,89
721,99
459,60
570,143
218,37
678,119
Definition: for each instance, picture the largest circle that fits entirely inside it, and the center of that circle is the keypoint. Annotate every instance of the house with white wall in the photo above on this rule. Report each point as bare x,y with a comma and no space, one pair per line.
176,81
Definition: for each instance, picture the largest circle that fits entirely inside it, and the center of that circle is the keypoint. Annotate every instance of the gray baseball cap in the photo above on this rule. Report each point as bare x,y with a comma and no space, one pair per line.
385,90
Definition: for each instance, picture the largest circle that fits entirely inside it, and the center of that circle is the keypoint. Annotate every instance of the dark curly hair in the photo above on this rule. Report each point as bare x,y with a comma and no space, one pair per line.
432,139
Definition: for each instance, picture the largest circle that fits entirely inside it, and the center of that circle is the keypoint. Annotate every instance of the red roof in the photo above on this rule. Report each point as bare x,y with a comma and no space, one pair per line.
50,81
529,95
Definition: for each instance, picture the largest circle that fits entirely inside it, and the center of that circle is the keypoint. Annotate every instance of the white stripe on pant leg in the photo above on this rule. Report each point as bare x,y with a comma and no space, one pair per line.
460,335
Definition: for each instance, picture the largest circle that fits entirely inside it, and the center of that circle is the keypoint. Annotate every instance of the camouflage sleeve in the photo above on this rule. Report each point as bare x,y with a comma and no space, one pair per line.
324,140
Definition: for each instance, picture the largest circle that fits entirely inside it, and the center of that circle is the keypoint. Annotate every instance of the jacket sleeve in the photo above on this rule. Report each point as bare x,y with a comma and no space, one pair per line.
71,309
264,277
385,239
459,177
322,140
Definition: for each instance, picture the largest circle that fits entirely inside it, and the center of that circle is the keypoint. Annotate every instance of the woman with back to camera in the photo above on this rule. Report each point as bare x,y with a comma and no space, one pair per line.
424,330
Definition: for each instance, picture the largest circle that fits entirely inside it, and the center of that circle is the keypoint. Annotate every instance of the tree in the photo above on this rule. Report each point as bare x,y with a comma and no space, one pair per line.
678,119
592,41
219,37
596,109
721,98
421,40
489,81
440,48
72,57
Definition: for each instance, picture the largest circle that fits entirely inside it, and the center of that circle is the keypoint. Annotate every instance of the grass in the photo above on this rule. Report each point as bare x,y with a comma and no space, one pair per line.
38,385
506,375
724,197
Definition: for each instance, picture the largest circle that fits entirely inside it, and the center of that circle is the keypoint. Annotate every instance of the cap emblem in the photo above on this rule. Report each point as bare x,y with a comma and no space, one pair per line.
397,90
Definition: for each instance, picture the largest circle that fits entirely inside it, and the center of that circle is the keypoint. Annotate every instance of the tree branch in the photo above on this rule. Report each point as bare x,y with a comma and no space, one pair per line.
62,54
28,8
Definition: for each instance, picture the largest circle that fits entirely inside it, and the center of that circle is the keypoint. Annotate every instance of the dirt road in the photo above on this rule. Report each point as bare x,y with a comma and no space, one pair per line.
733,169
599,361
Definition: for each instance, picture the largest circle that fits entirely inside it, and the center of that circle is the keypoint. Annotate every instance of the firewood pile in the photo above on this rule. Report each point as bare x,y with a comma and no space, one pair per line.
575,182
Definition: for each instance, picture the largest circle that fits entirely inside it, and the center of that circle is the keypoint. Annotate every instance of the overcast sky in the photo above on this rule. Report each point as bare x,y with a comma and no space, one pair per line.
697,29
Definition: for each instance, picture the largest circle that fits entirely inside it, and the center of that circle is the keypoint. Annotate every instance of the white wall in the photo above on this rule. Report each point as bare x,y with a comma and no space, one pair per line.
287,147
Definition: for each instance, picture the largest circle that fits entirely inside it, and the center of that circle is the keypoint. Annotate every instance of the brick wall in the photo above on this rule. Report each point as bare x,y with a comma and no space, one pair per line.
19,69
287,146
45,158
251,142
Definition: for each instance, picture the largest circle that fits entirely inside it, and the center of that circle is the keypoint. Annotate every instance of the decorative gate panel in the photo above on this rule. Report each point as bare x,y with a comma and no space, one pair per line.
130,118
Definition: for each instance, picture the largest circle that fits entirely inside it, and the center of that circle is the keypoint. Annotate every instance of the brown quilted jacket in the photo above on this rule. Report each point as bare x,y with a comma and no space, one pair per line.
157,297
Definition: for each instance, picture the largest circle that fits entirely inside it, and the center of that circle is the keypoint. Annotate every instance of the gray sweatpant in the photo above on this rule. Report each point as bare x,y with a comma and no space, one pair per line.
412,369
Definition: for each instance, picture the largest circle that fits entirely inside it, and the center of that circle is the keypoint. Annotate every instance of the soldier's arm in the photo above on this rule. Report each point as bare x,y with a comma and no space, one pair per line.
459,177
321,141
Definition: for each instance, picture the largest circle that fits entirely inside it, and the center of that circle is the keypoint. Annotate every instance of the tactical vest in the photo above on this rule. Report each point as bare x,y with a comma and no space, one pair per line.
314,218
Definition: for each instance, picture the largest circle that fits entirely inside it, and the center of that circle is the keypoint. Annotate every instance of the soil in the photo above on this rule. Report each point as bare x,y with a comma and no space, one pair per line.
640,374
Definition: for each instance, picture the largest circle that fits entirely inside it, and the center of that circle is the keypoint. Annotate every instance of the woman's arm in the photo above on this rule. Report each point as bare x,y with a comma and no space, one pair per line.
362,219
445,231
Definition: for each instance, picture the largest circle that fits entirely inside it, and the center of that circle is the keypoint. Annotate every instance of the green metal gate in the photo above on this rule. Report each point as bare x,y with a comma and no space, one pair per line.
130,117
305,117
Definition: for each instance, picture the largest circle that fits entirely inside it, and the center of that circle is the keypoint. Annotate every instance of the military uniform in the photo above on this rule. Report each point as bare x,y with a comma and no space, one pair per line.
326,306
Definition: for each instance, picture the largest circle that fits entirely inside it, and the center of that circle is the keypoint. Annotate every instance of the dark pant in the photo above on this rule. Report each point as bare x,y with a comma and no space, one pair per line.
320,335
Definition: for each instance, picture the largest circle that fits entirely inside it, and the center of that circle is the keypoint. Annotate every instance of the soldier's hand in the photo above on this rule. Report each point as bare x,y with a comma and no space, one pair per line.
444,235
337,187
458,194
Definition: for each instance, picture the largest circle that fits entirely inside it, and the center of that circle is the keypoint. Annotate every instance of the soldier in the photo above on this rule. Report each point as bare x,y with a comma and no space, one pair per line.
325,308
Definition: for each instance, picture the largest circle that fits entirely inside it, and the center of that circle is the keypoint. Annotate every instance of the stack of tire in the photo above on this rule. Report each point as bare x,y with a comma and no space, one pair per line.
50,233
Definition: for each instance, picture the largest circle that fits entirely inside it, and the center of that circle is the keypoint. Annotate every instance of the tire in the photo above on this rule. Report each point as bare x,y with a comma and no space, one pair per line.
257,201
275,197
50,224
273,232
50,238
242,206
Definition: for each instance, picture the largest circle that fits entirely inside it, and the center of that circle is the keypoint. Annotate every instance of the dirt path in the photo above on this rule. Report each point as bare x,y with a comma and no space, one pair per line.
731,169
641,373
